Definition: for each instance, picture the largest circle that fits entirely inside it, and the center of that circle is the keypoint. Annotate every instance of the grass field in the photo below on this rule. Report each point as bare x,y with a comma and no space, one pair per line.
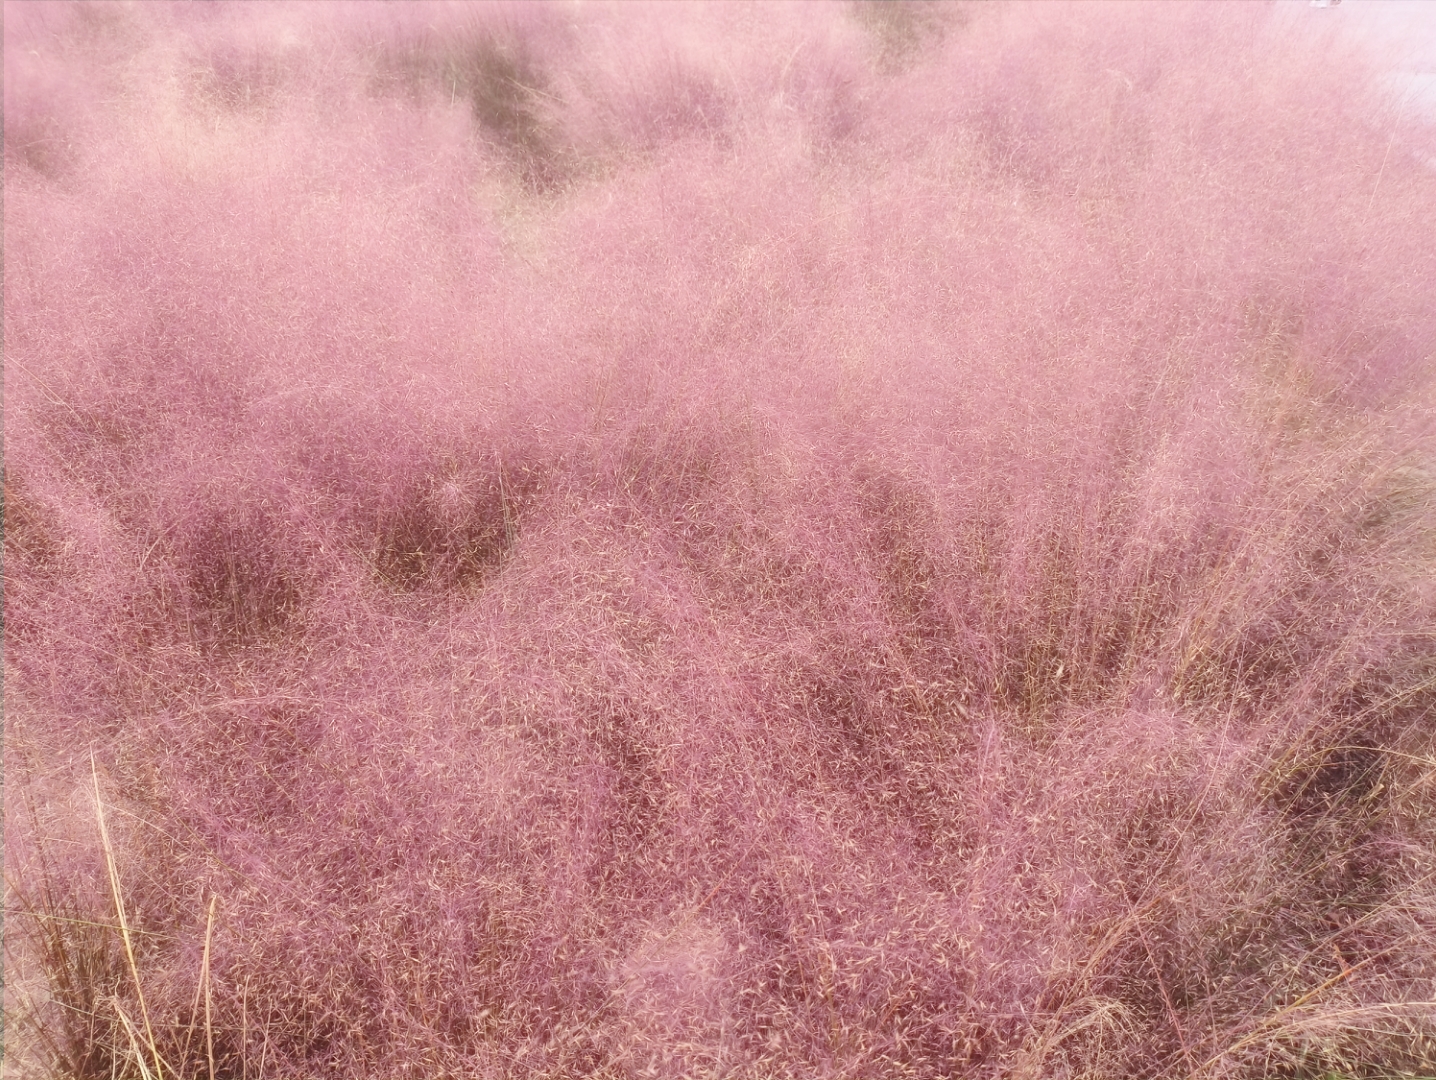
716,540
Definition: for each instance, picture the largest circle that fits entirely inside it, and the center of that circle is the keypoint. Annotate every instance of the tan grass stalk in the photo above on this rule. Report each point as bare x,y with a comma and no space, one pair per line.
1032,1059
135,1046
114,875
204,982
1274,1022
202,988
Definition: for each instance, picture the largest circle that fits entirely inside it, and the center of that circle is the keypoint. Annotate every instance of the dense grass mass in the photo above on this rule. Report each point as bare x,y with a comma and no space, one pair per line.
854,540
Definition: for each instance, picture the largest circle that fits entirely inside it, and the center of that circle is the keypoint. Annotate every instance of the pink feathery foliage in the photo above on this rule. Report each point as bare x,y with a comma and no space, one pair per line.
744,540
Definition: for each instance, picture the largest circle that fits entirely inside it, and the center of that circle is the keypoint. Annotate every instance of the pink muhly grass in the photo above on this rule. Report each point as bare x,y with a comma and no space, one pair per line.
749,541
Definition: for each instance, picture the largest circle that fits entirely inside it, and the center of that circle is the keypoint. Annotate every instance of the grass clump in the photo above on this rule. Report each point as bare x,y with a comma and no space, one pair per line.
861,541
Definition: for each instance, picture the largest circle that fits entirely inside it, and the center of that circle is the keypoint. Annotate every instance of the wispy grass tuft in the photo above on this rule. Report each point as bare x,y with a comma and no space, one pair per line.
815,540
